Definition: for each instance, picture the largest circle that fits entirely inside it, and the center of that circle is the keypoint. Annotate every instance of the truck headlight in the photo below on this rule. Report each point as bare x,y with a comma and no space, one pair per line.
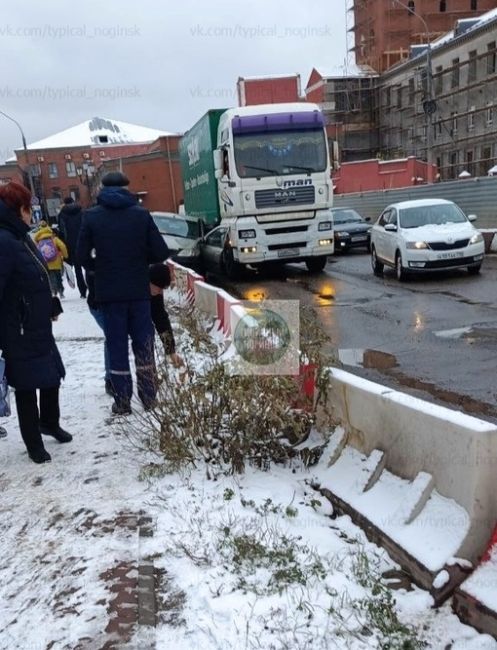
325,225
476,238
416,245
325,242
246,234
250,249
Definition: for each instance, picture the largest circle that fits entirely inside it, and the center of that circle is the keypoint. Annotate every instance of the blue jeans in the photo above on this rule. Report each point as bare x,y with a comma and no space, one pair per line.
99,318
123,320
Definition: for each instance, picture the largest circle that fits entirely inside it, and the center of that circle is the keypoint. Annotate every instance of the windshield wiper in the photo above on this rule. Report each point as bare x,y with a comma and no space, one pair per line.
262,169
310,170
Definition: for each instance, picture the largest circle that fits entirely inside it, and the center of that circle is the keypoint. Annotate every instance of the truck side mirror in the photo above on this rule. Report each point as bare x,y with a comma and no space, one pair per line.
217,155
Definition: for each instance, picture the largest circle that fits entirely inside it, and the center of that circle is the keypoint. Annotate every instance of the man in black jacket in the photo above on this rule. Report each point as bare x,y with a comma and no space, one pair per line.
123,239
70,225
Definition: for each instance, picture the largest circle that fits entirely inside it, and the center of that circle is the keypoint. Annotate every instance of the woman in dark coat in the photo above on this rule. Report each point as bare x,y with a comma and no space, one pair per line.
32,360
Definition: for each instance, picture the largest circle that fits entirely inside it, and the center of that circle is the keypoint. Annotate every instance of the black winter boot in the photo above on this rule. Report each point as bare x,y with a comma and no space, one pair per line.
39,455
59,433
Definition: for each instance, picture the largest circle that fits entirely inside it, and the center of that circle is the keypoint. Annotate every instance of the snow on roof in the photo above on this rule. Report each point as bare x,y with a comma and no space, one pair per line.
268,77
347,70
98,132
477,22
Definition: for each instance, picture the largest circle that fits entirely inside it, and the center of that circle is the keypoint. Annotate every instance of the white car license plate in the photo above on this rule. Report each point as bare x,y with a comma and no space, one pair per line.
450,256
359,238
289,252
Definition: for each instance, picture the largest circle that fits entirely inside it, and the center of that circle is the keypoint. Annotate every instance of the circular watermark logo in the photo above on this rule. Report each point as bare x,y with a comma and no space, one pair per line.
262,336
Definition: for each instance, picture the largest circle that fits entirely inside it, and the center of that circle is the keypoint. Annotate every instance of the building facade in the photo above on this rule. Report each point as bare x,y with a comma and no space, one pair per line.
155,176
347,100
384,30
461,134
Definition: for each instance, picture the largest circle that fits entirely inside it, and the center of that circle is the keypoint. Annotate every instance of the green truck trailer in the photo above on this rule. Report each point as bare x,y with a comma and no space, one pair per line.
262,171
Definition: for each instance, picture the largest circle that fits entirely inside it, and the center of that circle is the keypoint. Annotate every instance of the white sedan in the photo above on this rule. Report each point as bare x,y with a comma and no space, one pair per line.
425,235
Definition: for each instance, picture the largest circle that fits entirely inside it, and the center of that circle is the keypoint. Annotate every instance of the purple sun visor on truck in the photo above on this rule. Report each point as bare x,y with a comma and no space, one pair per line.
277,122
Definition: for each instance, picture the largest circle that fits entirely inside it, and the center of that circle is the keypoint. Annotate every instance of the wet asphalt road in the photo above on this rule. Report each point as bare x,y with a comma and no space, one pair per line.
402,334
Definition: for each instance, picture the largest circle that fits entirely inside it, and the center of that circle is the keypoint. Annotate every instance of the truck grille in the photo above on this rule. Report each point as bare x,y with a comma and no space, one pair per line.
286,230
277,247
286,197
444,246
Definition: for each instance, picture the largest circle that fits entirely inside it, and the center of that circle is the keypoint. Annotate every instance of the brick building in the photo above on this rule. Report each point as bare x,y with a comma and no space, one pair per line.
269,90
67,163
155,175
384,30
11,171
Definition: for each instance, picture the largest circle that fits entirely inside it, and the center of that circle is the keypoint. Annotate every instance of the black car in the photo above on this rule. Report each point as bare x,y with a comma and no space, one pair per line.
350,229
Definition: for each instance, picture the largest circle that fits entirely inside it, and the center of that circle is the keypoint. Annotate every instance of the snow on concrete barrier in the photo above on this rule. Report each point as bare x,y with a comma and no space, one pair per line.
447,506
205,298
416,477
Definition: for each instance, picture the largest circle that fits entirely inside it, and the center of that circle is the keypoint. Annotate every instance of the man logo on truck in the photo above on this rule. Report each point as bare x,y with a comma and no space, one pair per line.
284,197
297,183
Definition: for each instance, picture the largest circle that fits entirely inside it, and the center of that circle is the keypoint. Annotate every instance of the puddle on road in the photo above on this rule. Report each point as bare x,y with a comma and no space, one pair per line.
364,358
471,334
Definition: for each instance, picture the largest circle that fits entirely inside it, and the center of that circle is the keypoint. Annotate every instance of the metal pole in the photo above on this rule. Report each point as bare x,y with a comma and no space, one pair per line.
428,103
25,147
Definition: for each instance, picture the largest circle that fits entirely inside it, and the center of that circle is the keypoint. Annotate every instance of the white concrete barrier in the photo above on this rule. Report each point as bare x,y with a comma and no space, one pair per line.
206,298
457,450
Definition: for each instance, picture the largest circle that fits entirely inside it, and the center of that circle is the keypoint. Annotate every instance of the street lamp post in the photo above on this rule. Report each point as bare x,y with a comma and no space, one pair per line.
429,104
25,147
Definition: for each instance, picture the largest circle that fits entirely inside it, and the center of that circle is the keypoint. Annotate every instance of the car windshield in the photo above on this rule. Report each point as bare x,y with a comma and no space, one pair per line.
280,153
431,215
346,216
177,227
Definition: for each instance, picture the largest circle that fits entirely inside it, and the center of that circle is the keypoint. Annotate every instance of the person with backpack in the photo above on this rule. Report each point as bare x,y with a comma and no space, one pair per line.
122,239
70,224
27,308
54,252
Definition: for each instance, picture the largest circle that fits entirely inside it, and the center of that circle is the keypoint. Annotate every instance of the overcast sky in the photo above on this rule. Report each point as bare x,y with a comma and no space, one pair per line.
151,62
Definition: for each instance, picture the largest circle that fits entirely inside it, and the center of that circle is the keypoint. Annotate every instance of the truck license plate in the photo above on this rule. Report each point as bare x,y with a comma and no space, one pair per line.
289,252
450,256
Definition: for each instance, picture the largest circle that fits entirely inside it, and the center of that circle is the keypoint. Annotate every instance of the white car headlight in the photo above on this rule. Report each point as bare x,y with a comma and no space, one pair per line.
416,245
476,238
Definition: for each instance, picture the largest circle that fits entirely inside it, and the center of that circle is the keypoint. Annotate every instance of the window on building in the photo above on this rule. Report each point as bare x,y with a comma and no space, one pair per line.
474,5
443,5
470,162
388,98
486,161
411,91
455,73
438,129
490,113
491,58
52,170
439,81
411,7
74,192
453,164
424,132
35,170
71,169
472,66
471,118
454,123
399,96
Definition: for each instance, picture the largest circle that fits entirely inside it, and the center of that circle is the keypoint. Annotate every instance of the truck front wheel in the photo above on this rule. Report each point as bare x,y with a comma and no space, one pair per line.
230,266
316,264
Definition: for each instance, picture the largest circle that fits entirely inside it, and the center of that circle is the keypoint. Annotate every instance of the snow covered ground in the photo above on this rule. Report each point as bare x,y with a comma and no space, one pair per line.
244,562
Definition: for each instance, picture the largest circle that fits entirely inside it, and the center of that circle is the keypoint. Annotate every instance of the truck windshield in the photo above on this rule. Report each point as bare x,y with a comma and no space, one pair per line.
280,153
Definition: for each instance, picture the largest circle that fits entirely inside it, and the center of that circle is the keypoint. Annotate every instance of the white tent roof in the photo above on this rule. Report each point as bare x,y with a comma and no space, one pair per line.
99,131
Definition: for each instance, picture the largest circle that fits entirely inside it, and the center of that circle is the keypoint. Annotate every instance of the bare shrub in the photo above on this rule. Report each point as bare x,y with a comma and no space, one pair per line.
203,414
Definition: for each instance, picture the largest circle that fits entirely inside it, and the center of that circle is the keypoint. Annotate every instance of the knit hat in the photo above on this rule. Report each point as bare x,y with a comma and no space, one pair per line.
159,275
68,200
115,179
